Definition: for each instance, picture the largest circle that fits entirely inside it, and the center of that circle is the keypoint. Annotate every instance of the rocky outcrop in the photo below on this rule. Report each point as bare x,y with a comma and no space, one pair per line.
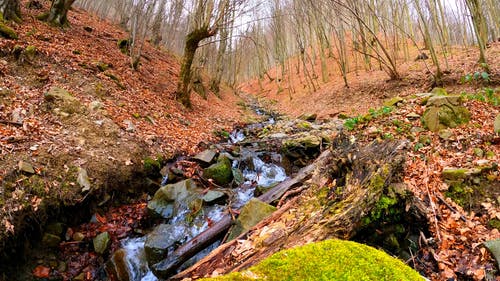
444,112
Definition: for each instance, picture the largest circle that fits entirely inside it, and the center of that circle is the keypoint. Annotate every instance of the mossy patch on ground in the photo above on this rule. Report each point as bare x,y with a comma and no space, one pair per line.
328,260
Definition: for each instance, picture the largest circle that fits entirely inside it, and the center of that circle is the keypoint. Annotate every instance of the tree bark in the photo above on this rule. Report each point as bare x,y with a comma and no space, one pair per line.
344,188
191,45
58,13
9,10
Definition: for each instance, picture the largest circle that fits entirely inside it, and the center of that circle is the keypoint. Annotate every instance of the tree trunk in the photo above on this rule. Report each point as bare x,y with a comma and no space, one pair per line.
9,10
191,45
480,28
340,199
58,13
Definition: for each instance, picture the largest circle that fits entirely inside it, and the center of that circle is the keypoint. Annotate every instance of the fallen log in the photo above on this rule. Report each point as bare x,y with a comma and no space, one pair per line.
173,261
341,194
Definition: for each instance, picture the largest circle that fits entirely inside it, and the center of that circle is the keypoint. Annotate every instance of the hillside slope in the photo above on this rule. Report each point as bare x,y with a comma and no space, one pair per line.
70,103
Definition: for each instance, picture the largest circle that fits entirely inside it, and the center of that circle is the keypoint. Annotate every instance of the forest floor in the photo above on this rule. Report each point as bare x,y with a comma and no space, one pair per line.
120,118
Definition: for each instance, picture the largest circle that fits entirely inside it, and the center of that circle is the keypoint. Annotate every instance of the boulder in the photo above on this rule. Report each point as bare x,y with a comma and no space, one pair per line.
25,167
393,101
311,117
169,199
221,172
251,214
494,247
444,112
327,260
305,146
164,239
496,125
206,156
213,196
101,242
117,268
62,100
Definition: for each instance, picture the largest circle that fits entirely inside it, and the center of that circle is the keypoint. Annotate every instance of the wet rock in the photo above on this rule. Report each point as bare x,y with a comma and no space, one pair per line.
220,172
117,267
494,247
83,179
238,176
206,156
496,125
251,214
101,242
163,239
50,240
445,112
25,167
169,199
213,196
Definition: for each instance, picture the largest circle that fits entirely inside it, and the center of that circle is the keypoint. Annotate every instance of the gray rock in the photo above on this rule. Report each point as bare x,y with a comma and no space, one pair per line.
163,240
494,247
95,105
306,146
18,115
393,101
496,125
83,179
220,172
101,242
25,167
61,99
251,214
169,199
206,156
213,196
130,125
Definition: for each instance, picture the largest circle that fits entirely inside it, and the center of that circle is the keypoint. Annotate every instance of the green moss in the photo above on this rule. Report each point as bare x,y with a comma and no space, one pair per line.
7,32
328,260
460,193
439,91
30,52
494,223
152,166
102,66
124,45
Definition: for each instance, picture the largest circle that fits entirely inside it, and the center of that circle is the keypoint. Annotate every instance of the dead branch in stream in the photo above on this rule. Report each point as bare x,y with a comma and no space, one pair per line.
343,186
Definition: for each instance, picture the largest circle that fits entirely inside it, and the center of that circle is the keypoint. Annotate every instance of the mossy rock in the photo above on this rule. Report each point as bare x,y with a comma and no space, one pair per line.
444,112
393,101
439,91
328,260
454,173
220,172
63,100
101,242
7,32
496,125
251,214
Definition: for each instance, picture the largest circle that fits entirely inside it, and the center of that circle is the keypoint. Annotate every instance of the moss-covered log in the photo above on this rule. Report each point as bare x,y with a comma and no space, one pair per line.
191,45
351,189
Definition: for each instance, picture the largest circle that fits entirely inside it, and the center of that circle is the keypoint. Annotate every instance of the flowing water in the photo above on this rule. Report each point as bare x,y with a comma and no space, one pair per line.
256,172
